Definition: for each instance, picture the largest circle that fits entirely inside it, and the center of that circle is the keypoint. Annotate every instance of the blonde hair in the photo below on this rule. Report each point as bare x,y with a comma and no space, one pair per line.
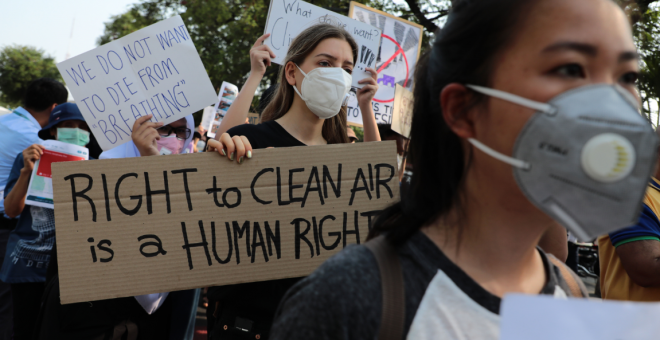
334,129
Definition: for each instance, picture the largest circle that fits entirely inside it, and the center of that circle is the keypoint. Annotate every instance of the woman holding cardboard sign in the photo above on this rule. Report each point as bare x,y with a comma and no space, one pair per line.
307,109
307,112
516,107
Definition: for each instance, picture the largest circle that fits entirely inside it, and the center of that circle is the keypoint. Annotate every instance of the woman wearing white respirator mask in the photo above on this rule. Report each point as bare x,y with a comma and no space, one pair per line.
525,117
308,108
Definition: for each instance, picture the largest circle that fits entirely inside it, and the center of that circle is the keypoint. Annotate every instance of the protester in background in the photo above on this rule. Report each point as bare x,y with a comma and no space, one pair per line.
29,248
465,234
18,131
298,114
195,142
629,268
386,133
152,316
352,137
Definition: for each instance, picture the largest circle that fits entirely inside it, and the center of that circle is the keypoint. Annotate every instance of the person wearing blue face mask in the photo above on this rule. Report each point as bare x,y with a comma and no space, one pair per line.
30,243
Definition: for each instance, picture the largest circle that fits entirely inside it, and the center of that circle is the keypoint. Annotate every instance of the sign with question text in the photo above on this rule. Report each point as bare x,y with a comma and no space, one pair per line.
155,70
287,18
145,225
400,46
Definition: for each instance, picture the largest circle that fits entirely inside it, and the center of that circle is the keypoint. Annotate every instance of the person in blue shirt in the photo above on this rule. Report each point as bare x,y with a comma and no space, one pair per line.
29,247
18,131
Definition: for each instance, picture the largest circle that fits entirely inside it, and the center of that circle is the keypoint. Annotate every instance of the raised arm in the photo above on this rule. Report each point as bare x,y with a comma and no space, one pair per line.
640,251
365,95
260,56
15,200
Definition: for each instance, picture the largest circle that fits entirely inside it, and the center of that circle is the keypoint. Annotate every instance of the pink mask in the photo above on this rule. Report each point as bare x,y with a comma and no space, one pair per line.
169,145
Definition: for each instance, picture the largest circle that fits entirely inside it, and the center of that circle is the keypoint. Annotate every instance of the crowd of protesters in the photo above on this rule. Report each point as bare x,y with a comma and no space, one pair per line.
464,234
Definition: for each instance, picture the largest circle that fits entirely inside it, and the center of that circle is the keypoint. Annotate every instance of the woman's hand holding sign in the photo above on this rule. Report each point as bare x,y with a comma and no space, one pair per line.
364,96
237,113
145,136
234,148
30,156
260,56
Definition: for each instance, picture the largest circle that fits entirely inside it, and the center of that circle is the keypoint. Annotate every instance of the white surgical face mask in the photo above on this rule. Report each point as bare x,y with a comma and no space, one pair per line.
584,158
325,90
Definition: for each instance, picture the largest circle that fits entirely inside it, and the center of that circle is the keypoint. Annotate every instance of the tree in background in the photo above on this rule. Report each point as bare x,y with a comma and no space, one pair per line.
224,30
645,16
19,65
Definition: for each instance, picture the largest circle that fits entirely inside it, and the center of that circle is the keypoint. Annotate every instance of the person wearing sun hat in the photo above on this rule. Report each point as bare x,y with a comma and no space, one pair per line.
30,244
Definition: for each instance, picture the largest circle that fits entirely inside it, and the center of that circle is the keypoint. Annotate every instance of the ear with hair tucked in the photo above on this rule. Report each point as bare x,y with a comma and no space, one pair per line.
290,73
455,102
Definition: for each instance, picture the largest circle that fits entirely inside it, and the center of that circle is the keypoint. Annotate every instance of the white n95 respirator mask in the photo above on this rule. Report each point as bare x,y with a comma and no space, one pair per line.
584,158
325,90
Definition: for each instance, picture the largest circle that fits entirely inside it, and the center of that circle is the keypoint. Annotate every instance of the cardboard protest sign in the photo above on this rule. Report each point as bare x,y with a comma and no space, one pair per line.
403,111
155,224
400,47
155,70
287,18
226,96
548,318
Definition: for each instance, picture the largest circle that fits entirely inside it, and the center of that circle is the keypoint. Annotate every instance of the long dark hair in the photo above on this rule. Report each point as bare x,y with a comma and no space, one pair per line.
464,52
334,129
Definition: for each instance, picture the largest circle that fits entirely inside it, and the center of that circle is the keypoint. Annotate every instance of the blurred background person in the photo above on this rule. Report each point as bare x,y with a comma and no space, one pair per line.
18,130
30,244
630,258
352,137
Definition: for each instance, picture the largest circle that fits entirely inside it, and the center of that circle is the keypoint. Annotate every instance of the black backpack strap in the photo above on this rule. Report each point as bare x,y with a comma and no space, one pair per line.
574,283
391,277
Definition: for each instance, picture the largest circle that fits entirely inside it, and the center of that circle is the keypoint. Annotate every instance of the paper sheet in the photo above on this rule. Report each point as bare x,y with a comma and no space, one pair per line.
527,317
40,189
228,93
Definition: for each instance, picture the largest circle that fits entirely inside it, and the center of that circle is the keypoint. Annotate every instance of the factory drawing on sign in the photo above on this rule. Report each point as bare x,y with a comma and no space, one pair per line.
398,53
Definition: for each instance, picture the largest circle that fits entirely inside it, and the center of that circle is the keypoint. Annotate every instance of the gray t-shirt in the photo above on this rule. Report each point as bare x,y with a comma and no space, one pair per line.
342,298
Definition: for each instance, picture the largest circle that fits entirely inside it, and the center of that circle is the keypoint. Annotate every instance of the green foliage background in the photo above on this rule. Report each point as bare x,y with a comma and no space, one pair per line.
224,30
18,66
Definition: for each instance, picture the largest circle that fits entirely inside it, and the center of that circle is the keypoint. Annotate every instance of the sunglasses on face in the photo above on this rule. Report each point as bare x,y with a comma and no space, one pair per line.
182,133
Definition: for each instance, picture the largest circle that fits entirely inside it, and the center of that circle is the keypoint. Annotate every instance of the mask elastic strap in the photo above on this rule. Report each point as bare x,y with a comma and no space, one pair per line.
504,158
295,88
301,71
512,98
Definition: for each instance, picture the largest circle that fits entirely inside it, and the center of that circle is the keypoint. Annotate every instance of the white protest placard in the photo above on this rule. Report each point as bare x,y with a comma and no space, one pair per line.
400,47
287,18
155,70
537,317
228,93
